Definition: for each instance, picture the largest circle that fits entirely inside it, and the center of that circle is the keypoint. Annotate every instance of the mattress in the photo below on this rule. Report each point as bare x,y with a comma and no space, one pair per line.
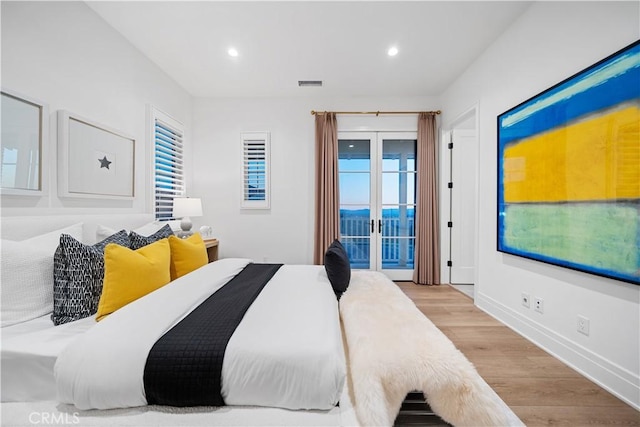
29,352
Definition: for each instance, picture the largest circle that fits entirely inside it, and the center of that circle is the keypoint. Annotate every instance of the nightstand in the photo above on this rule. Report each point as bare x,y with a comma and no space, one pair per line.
212,249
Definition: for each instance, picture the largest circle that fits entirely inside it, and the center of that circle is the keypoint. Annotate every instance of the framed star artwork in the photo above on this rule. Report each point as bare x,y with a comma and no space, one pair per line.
94,161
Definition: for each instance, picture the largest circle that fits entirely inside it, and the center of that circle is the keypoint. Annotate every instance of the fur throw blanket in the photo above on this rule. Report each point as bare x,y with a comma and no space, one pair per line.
393,349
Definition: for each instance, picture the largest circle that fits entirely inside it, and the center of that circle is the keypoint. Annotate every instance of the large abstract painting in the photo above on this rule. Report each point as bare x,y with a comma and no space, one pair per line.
569,171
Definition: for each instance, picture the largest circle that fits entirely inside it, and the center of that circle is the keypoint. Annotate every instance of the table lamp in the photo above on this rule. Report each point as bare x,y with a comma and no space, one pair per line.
185,208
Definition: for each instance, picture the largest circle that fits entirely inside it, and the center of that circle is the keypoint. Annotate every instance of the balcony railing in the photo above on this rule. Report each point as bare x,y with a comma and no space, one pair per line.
398,238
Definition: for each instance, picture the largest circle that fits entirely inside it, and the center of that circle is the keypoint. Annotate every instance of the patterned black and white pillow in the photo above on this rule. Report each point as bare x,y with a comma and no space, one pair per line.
78,272
136,241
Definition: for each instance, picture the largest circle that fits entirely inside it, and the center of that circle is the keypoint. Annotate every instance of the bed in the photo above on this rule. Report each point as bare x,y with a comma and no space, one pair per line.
285,359
29,353
276,340
286,363
286,353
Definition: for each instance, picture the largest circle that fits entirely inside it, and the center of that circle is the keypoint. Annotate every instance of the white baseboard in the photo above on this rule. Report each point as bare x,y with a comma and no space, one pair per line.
615,379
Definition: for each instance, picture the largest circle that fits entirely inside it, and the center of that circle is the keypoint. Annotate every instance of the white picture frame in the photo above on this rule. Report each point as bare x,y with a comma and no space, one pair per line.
25,126
94,160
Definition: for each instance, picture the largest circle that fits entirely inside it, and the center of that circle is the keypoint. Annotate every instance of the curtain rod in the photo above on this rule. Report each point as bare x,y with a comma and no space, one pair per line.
377,113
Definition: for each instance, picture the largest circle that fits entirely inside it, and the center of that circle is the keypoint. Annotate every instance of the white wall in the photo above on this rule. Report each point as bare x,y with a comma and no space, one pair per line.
65,55
550,42
285,232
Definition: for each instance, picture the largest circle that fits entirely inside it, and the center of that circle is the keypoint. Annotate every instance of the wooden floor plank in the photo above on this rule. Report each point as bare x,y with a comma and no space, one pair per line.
540,389
572,416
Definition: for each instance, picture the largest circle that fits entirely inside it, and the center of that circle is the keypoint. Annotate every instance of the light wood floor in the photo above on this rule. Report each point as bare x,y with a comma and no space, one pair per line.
541,390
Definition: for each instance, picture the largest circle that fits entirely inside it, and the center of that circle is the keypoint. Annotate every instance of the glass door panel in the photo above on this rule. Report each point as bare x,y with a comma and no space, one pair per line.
354,168
398,188
354,155
354,188
398,198
399,155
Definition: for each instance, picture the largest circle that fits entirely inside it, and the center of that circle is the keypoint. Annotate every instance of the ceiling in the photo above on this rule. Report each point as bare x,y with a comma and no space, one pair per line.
344,44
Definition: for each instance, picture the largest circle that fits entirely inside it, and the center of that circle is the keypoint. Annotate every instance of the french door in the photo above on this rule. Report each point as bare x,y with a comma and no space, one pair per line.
377,178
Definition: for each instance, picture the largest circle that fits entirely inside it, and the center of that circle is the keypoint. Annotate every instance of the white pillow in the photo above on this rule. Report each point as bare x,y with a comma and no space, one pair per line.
26,286
103,232
27,282
51,240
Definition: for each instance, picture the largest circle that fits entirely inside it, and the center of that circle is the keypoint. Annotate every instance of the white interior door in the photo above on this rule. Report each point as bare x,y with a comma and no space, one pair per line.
463,206
377,178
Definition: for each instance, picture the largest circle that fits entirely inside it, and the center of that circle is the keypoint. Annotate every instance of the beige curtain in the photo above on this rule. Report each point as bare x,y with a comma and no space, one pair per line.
427,252
327,222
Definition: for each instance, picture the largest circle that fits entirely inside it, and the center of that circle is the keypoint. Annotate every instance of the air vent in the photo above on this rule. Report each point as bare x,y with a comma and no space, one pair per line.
310,83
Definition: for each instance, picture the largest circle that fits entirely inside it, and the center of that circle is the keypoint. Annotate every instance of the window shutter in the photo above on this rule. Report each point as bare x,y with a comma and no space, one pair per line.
255,170
169,165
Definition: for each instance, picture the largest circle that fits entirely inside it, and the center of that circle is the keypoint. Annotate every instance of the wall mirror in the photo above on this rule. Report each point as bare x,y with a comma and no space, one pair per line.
24,125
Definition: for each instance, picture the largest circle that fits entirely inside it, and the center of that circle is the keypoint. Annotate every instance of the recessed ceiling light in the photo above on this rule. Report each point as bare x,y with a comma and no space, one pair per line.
351,145
393,51
232,52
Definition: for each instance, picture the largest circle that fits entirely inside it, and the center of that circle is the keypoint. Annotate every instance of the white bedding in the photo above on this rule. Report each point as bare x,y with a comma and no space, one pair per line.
29,352
287,352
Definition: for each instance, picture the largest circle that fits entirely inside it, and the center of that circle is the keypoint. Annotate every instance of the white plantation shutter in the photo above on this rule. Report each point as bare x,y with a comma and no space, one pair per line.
255,170
169,164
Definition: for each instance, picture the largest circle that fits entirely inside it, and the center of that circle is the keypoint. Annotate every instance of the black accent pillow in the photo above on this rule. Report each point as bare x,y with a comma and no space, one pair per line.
78,272
336,263
136,241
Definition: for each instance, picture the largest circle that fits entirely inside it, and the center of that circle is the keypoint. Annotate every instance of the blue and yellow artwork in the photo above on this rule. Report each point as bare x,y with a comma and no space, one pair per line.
569,171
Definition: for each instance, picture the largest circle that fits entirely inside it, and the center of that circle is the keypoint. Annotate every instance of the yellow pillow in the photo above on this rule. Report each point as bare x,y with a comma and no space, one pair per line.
129,275
187,255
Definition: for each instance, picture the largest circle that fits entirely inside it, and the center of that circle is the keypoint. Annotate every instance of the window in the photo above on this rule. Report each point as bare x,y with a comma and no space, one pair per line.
255,170
168,164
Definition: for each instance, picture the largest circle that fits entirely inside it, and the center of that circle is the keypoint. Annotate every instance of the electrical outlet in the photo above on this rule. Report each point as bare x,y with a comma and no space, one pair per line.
538,304
583,325
526,300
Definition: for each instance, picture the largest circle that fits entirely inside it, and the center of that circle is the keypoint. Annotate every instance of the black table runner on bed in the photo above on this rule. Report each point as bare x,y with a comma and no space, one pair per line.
184,367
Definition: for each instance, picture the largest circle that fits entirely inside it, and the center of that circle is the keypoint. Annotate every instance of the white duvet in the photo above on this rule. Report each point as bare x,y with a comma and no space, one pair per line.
287,351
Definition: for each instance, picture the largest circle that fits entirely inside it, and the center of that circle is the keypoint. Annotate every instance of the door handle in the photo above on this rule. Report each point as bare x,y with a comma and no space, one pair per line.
372,226
379,226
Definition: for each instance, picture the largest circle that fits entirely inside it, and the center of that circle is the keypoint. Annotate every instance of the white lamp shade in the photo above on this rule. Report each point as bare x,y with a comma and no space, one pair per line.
187,206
